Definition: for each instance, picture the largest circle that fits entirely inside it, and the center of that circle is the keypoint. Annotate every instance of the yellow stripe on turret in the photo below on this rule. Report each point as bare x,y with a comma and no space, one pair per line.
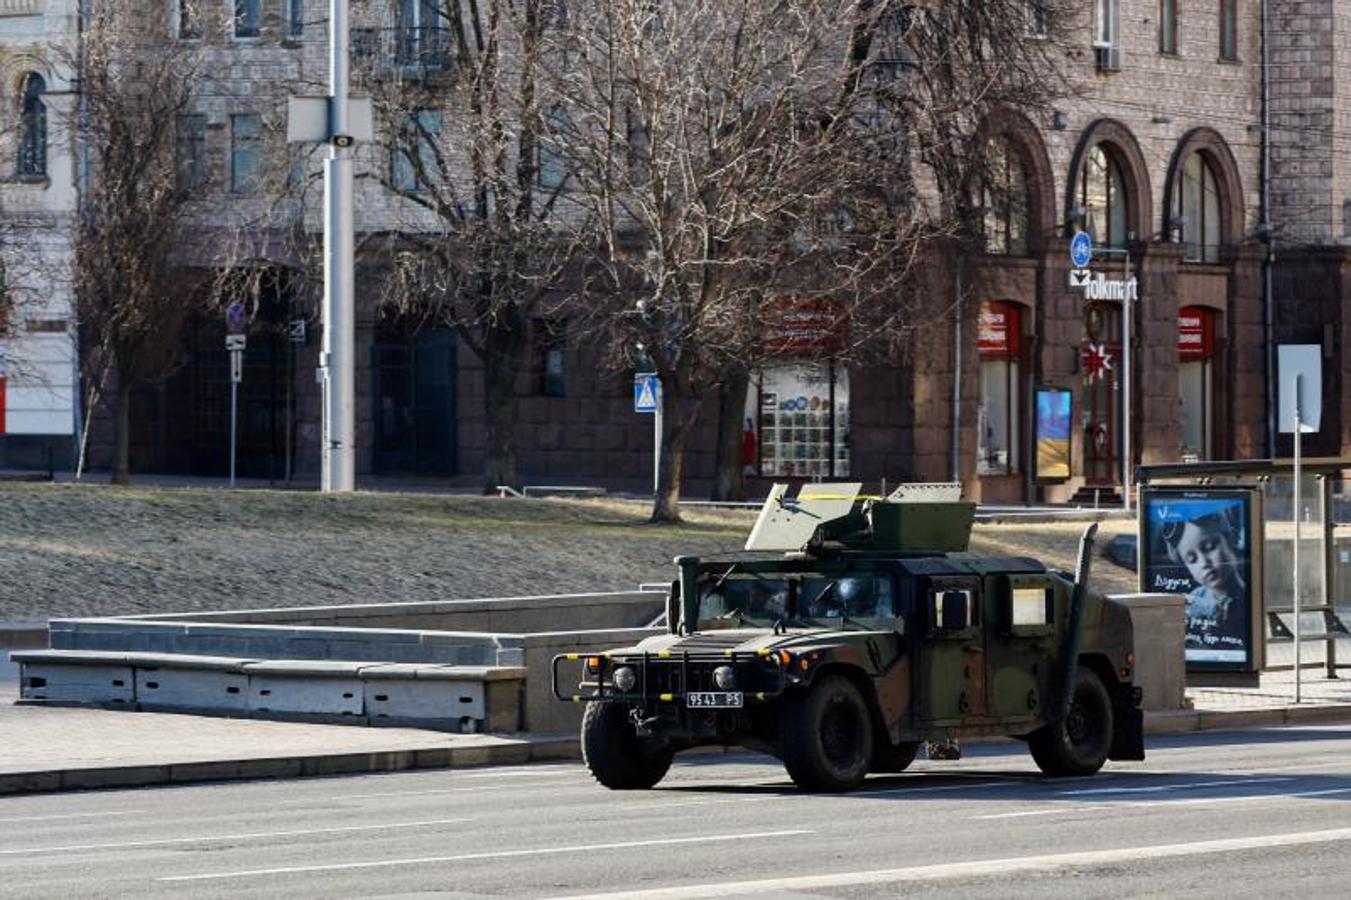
574,656
667,698
664,654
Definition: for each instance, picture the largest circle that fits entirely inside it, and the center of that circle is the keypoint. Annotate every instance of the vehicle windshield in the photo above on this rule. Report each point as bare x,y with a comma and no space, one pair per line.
754,600
818,599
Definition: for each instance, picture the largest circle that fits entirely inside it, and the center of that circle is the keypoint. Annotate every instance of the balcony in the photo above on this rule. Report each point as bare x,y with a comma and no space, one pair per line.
384,53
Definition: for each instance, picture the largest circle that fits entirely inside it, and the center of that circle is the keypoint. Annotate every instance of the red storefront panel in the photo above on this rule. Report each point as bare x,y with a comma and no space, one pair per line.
998,328
1195,332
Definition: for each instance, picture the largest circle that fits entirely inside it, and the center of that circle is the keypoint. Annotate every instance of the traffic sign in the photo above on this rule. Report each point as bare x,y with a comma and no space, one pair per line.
1081,249
236,318
646,392
235,342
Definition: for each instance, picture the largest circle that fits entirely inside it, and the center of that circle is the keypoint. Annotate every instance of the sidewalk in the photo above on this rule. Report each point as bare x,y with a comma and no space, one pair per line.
64,748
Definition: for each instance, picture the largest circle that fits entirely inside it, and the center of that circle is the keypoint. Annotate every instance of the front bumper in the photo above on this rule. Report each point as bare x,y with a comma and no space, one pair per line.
668,677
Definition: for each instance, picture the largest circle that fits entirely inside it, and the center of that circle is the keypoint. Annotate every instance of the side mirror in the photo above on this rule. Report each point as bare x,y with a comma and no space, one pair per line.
955,607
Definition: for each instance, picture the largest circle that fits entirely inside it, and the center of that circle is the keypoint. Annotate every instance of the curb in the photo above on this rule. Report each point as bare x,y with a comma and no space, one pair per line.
504,754
1186,721
544,749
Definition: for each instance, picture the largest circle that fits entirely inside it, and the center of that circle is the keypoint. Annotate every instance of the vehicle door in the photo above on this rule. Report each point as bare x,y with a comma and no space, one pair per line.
952,651
1022,644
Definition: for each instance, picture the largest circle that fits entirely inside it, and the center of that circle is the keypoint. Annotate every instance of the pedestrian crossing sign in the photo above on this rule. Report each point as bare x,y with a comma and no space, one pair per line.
646,392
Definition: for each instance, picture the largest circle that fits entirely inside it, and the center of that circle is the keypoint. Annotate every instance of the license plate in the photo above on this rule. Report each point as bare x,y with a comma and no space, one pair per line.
714,699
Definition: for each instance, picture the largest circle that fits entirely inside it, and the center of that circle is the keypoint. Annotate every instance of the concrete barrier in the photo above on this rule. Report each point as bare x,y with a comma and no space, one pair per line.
509,615
1160,629
544,714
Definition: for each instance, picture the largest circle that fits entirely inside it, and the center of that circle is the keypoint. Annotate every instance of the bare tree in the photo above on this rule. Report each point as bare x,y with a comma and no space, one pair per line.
476,247
737,160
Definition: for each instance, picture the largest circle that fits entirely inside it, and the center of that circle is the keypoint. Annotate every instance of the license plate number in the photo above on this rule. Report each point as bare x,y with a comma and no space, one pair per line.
714,699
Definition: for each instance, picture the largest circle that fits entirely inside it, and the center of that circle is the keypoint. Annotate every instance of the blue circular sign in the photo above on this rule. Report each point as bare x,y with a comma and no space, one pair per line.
1081,249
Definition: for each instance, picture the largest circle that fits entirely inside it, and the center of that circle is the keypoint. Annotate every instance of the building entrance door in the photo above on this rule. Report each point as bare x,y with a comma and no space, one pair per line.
1100,362
414,400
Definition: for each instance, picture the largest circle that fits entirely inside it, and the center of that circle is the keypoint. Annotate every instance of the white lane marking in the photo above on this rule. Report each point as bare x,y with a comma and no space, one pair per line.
674,803
249,836
1058,811
1001,868
1179,786
494,854
475,789
88,815
519,772
1170,804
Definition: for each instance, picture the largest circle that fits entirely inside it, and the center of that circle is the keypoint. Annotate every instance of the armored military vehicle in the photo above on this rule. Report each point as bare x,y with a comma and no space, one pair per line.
870,629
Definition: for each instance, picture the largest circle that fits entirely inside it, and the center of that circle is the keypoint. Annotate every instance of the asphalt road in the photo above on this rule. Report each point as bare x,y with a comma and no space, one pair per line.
1243,813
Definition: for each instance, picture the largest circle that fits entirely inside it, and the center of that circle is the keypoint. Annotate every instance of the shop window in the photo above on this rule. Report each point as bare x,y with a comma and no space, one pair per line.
551,351
1102,195
1229,30
189,28
1196,210
32,126
1168,26
553,161
804,420
247,18
1196,351
191,152
246,153
1004,201
414,164
295,18
999,410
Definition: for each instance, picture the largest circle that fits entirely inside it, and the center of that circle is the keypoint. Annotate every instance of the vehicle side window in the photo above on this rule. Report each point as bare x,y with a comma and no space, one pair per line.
1031,606
952,609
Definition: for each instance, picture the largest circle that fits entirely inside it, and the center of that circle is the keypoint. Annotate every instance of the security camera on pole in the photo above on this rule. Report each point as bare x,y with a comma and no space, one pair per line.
341,122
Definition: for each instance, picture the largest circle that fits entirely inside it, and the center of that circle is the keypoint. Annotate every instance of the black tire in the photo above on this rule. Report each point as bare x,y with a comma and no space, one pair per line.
1080,744
889,758
827,736
615,755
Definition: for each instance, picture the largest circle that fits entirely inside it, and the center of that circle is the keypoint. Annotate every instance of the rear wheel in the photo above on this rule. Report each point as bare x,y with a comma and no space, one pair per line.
826,736
1080,744
889,758
614,753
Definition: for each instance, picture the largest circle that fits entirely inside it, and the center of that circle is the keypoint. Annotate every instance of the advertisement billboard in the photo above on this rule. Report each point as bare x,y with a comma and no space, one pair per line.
1052,425
1206,545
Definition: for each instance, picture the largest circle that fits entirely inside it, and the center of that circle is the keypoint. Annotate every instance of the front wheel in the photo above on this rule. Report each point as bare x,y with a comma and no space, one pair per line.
827,736
1080,744
614,753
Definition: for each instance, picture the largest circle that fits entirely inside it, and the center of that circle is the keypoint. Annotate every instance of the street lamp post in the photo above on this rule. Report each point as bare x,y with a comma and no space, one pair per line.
338,352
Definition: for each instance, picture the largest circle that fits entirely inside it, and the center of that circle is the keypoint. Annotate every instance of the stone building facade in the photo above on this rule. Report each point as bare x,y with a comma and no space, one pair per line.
37,206
1156,152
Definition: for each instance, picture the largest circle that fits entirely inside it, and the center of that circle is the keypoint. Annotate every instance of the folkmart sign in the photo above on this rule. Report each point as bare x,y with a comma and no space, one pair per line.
1100,287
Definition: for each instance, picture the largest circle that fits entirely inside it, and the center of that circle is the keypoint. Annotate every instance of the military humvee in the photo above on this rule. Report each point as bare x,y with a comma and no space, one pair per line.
874,632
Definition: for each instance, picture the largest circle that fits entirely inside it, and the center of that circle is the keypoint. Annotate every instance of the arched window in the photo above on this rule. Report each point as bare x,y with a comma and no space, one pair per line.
1196,210
1004,201
32,126
1102,196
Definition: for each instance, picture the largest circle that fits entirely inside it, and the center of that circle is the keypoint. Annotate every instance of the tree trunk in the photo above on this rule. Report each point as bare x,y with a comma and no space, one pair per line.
504,349
678,419
122,426
729,482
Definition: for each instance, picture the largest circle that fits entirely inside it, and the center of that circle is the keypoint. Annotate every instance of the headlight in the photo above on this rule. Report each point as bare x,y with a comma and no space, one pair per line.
625,678
724,677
